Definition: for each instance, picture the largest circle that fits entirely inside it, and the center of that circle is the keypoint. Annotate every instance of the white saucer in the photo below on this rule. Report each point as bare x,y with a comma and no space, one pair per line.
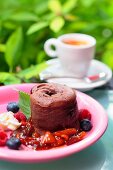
54,67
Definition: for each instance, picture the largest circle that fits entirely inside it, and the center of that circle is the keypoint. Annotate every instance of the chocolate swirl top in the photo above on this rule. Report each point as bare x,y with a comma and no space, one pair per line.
52,94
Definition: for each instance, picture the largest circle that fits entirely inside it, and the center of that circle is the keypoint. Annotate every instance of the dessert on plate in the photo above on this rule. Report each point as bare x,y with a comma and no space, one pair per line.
54,119
53,107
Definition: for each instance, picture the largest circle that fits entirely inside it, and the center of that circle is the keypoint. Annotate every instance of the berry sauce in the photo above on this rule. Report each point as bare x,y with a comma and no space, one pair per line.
43,140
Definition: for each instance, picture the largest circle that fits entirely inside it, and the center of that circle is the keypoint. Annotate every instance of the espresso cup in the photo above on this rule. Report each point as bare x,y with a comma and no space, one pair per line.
75,52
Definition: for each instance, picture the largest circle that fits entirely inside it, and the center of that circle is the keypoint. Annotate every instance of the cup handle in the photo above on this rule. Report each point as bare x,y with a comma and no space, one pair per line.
48,47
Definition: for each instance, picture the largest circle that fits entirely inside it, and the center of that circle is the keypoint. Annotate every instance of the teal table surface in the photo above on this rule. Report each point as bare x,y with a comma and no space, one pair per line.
97,157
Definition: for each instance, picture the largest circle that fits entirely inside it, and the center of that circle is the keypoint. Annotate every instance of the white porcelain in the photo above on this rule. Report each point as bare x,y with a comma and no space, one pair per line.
54,67
74,58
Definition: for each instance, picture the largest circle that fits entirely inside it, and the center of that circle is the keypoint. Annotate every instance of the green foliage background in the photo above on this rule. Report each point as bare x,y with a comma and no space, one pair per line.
26,24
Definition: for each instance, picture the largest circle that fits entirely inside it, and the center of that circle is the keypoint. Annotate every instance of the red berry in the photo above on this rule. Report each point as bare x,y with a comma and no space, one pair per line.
20,116
3,138
84,114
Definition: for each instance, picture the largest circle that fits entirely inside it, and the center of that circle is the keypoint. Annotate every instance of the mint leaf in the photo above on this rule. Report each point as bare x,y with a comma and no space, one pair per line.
24,103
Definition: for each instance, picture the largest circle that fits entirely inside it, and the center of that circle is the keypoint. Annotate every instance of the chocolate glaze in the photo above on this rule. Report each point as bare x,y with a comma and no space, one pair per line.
53,106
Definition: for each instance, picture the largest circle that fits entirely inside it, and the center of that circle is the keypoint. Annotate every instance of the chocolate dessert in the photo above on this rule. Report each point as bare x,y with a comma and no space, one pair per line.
53,107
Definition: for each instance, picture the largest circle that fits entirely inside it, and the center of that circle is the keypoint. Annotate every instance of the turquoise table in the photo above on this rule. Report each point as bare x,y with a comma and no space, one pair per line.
97,157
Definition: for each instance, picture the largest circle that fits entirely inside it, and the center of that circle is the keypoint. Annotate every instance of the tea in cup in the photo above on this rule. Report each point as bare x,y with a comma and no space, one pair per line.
75,52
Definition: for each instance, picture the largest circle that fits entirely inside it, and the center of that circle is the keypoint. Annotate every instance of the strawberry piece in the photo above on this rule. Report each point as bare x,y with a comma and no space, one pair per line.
20,116
59,141
35,135
68,132
76,138
66,137
84,114
3,138
48,138
81,135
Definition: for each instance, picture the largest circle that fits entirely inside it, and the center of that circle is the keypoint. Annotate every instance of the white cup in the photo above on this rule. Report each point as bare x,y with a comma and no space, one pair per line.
75,59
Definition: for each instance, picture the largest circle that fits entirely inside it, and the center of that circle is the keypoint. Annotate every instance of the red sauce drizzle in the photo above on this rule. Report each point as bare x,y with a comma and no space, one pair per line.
46,140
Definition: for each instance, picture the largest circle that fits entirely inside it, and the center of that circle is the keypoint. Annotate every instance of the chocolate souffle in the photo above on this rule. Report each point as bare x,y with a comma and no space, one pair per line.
53,107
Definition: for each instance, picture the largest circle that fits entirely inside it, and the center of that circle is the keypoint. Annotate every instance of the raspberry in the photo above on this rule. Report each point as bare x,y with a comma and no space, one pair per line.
3,138
84,114
20,116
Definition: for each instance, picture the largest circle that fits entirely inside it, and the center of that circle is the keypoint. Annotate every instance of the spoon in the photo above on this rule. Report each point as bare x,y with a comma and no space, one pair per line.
88,79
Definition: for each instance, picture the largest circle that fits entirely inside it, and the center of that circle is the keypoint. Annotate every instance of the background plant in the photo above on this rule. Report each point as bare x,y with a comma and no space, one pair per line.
26,24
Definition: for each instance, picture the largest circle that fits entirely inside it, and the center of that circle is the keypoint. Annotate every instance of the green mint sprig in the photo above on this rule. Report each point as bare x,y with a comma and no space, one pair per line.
24,103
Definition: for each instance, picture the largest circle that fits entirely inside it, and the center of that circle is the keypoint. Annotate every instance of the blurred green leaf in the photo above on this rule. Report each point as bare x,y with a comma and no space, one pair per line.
13,48
5,14
69,5
77,25
41,7
32,71
109,9
8,78
55,6
70,17
108,58
9,25
49,16
40,57
57,23
90,27
2,48
87,3
24,16
36,27
45,19
109,45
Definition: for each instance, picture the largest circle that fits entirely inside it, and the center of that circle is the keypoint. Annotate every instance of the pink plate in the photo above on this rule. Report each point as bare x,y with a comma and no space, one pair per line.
99,121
